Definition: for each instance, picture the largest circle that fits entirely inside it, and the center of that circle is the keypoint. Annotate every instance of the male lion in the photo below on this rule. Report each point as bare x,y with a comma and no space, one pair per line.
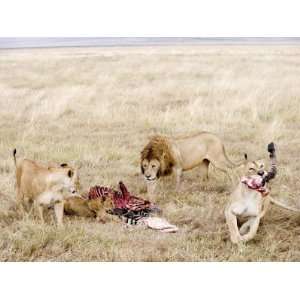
163,155
44,185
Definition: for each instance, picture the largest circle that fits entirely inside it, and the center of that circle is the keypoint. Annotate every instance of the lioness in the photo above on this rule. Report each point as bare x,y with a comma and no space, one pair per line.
93,208
163,155
247,204
44,185
250,200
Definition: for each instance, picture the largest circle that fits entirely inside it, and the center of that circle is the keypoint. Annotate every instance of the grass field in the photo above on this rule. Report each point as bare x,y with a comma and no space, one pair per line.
96,107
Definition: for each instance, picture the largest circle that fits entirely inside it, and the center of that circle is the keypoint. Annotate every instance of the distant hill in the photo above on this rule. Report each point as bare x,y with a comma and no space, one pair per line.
6,43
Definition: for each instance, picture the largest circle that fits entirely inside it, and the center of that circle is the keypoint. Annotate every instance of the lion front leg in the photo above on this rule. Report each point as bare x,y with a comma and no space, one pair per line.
59,212
266,205
41,212
178,174
102,216
231,220
151,188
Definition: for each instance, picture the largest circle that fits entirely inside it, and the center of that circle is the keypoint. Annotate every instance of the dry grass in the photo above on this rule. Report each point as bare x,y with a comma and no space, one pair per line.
96,108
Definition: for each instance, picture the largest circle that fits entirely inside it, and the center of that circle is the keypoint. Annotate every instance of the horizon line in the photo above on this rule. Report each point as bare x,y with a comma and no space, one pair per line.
55,42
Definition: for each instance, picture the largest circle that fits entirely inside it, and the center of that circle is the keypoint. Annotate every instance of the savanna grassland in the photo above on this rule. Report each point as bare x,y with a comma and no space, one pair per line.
95,108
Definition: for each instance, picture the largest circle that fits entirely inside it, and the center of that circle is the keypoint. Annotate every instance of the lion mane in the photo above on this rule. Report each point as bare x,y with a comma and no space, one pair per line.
159,148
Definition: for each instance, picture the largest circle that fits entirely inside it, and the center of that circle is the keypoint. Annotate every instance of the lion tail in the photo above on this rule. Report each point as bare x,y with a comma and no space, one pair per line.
231,164
15,156
280,204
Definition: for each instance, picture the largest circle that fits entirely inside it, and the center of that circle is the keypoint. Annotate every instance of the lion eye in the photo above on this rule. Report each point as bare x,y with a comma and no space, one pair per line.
251,169
153,166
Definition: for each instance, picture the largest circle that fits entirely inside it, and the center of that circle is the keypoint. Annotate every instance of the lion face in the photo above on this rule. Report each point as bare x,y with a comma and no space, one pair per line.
73,174
65,178
151,169
157,159
255,168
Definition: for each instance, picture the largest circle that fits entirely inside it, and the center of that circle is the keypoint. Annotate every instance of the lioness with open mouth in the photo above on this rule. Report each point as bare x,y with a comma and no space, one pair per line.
164,155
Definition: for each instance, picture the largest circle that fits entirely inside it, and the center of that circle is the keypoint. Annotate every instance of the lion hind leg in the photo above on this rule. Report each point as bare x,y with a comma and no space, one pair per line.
224,168
246,226
21,201
27,205
20,195
253,227
222,163
204,166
